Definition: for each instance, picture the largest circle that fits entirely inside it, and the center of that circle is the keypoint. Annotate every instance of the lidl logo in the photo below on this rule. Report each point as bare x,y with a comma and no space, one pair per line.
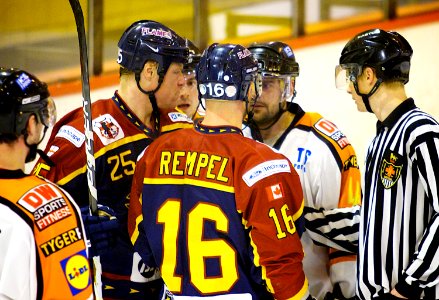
77,272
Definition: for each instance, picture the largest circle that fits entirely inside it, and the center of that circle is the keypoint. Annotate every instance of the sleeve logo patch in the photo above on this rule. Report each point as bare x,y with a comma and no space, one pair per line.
266,169
107,129
71,134
275,192
330,130
178,117
77,272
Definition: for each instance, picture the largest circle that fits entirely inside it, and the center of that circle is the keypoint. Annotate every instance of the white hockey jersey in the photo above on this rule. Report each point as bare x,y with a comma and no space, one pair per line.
330,178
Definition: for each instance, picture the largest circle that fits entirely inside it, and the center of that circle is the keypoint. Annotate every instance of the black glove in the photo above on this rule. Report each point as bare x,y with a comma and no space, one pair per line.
101,230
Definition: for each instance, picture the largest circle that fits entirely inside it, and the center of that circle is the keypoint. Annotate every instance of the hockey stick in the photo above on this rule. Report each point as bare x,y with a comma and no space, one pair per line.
89,148
86,104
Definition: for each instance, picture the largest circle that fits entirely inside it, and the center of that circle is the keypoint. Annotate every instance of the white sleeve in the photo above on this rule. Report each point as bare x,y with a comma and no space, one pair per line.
18,278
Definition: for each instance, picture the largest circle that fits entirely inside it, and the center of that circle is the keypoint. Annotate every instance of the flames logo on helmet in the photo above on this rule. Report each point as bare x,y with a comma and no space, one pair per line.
157,32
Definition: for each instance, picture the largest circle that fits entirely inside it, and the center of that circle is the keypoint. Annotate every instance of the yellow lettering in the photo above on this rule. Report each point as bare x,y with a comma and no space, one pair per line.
191,158
176,163
203,160
59,243
165,160
73,237
44,248
212,160
220,176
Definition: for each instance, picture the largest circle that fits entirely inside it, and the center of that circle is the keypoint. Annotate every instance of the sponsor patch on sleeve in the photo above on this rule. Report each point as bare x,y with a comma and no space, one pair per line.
77,272
179,117
266,169
71,134
330,130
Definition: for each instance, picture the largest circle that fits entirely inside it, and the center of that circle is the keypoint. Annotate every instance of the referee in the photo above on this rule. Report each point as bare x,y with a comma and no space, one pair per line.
399,237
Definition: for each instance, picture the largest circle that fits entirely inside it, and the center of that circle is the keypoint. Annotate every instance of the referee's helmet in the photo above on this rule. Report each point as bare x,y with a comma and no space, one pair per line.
387,52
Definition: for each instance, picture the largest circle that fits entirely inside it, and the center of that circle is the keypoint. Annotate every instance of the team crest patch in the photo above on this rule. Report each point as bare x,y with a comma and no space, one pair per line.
390,169
77,272
107,129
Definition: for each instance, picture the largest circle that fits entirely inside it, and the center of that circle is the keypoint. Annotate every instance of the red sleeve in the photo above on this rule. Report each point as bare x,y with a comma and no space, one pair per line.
275,203
135,209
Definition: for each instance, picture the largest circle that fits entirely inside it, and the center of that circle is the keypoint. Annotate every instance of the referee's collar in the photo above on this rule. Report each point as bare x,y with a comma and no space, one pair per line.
405,106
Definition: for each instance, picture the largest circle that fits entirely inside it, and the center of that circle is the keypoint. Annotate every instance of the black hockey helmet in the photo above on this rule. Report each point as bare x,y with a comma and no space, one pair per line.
275,58
23,95
226,72
150,40
193,59
387,52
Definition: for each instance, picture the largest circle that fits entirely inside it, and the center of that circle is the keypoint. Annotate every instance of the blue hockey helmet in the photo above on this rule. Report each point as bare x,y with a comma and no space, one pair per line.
226,72
150,40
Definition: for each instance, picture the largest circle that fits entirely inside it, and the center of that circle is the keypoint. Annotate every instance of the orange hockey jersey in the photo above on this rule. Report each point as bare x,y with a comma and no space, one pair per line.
42,243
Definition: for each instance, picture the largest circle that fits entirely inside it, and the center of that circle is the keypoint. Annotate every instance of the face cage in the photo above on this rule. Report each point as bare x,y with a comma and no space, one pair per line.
345,74
286,93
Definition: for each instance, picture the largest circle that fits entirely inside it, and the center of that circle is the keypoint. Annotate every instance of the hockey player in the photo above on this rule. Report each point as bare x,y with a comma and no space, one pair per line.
188,101
323,158
43,254
151,57
220,214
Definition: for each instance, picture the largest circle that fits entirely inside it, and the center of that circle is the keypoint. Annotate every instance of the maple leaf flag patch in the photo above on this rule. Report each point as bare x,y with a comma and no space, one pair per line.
274,192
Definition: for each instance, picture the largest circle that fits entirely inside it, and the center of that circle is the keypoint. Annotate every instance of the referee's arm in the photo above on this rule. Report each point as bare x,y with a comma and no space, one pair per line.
423,271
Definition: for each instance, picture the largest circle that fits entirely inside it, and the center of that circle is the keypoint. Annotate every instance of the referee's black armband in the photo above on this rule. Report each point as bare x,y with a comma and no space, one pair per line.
411,291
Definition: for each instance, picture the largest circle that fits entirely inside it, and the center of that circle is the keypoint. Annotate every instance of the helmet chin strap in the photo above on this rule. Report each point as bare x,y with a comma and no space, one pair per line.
152,99
33,150
366,97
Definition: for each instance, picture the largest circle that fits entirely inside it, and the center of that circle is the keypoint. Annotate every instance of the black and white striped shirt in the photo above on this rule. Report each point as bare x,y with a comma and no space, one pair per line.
399,236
